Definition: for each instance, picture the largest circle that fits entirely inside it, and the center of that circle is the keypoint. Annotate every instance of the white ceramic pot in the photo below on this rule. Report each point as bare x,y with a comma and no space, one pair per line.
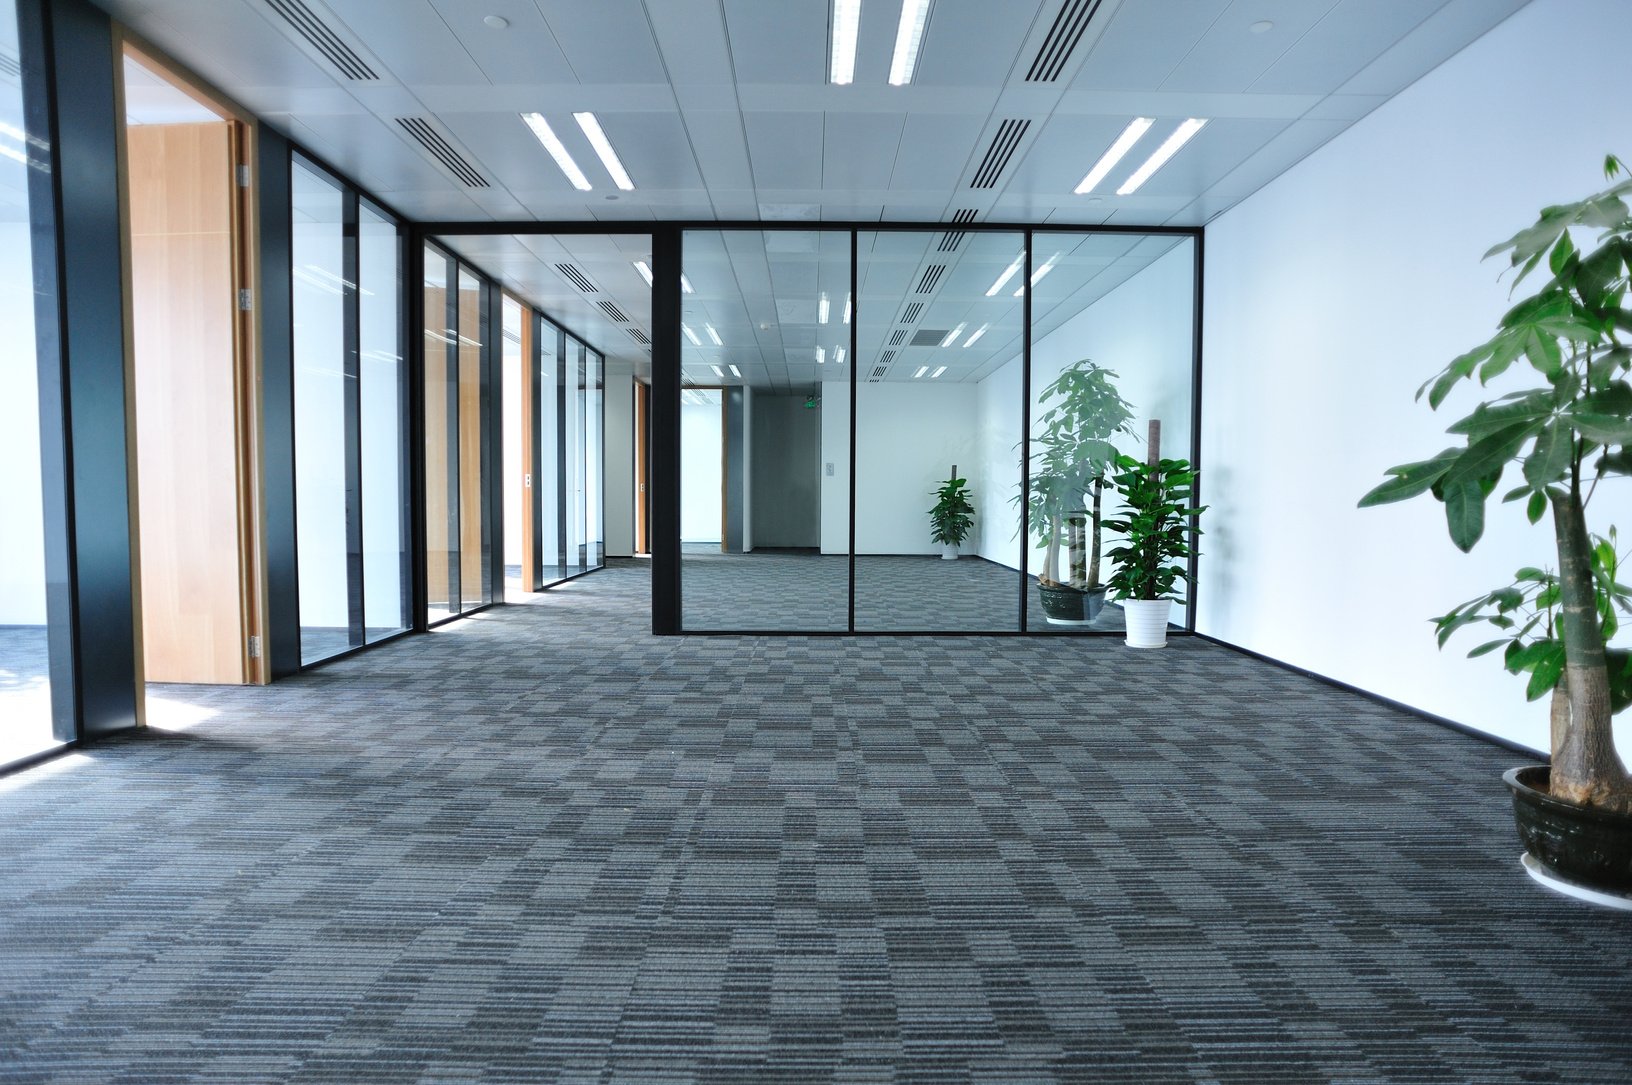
949,551
1146,621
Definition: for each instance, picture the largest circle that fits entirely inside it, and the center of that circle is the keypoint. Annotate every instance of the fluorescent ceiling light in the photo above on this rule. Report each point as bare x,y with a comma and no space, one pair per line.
821,355
921,371
980,331
735,372
718,372
847,308
1037,276
696,342
685,284
1008,273
712,334
645,271
1181,135
937,372
1107,161
952,336
846,24
603,149
907,37
821,309
838,357
558,151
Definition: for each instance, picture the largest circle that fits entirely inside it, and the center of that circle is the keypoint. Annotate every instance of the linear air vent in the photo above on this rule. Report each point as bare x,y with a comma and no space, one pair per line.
928,337
878,373
952,239
614,312
638,336
9,65
318,34
932,275
576,278
1009,135
1062,40
441,150
898,337
912,311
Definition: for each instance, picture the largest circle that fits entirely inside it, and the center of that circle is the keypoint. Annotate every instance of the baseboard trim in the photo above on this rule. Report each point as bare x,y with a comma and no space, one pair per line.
1378,698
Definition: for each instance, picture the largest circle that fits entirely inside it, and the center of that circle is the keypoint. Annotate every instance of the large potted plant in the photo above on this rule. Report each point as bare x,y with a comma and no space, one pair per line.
1153,557
953,516
1082,413
1571,440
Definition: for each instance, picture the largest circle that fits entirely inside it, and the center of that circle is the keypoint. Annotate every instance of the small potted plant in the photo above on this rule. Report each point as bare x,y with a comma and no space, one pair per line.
953,516
1570,438
1083,413
1157,525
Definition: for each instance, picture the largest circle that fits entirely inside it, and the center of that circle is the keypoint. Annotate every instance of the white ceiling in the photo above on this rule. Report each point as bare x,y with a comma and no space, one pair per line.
720,109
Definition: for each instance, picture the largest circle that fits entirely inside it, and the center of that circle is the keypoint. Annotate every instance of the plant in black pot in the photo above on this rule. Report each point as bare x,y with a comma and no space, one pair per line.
1570,439
1158,524
953,516
1072,449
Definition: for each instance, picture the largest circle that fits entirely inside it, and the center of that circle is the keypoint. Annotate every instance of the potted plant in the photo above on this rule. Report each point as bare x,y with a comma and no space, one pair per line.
953,516
1153,556
1569,438
1083,412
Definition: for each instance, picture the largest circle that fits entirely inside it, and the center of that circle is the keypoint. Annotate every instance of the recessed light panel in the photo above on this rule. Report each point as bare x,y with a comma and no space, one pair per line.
908,35
846,24
1170,146
1107,161
1008,273
558,150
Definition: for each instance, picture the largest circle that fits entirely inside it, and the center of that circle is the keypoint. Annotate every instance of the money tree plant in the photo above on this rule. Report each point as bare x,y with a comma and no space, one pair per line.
1567,439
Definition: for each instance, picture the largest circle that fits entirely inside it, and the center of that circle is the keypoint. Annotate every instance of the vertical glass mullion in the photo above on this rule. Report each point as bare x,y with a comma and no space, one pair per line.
535,407
451,421
353,446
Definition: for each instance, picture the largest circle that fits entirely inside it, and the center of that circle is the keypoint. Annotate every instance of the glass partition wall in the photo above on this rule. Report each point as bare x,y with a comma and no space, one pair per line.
819,420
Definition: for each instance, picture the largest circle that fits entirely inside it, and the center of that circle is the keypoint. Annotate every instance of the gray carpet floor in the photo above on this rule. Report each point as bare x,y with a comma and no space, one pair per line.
809,592
541,845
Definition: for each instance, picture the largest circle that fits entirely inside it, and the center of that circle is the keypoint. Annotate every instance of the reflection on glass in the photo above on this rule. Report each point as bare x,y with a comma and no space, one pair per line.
475,583
441,443
1114,317
939,342
25,677
383,428
764,457
320,415
516,488
551,437
595,385
576,545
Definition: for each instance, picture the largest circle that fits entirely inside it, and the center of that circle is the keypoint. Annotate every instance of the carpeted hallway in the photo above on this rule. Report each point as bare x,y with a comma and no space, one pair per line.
542,845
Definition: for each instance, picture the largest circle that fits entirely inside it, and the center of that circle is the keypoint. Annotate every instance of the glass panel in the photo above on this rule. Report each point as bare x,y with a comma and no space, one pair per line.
765,497
516,486
441,443
25,676
576,545
383,429
320,414
551,374
939,329
595,382
475,586
1113,314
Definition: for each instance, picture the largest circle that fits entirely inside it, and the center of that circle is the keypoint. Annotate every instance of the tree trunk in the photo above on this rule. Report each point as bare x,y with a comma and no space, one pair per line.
1585,768
1092,580
1051,560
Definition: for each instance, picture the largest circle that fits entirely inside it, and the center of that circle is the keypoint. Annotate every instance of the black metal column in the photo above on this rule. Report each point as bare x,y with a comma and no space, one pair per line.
665,412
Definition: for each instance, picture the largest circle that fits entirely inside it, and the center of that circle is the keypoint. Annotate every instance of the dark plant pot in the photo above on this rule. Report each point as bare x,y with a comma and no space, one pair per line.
1093,602
1580,844
1065,605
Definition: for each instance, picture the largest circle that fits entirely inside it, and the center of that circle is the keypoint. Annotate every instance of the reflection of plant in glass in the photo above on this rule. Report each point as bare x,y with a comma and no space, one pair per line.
1157,526
953,515
1073,443
1565,437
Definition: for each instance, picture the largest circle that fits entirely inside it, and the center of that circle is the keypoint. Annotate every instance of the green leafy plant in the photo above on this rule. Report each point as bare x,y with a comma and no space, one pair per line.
953,516
1157,525
1566,438
1072,450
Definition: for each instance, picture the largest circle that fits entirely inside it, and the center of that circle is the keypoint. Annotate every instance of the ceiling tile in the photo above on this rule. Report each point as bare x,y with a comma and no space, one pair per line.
605,41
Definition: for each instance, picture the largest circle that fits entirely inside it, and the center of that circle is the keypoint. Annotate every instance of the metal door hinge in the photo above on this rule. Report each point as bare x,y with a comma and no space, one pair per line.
243,176
254,647
246,300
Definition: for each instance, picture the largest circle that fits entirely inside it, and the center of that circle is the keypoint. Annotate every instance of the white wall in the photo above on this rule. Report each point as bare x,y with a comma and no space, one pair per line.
22,540
1141,331
908,435
619,475
1332,294
701,474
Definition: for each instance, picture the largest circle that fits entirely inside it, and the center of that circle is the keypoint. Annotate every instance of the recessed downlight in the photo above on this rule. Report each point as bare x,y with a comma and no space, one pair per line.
1170,146
908,35
846,25
603,150
558,150
1107,161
